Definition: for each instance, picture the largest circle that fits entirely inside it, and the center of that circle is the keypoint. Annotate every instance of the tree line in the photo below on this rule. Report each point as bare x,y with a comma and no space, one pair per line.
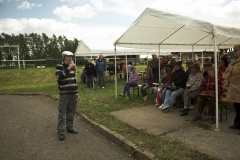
35,46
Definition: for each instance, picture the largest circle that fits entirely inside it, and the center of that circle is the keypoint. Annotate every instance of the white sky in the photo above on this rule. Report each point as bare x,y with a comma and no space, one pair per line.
98,23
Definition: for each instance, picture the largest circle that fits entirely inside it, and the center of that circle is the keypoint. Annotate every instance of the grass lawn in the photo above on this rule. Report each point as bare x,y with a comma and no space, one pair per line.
96,104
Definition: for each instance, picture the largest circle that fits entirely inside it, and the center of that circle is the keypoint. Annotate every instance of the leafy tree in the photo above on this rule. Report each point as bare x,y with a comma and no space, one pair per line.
35,46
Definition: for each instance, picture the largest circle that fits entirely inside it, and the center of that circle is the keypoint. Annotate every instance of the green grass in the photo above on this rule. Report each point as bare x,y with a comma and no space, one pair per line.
96,104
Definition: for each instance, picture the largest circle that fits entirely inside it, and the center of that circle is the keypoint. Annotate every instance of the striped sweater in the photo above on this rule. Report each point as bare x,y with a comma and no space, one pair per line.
66,79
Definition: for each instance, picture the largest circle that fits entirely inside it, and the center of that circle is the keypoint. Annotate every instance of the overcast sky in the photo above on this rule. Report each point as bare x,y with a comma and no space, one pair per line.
98,23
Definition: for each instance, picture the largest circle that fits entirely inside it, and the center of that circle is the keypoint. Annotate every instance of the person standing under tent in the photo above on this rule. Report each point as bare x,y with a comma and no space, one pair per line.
221,67
101,68
162,62
231,78
154,65
90,73
170,61
68,89
225,59
129,67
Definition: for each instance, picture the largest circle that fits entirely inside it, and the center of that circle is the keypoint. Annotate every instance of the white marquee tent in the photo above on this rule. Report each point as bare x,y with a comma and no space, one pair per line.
161,30
84,50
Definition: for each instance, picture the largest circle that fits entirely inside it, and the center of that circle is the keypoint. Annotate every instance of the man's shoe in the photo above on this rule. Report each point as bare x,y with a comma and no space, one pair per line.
165,108
234,127
72,131
61,136
197,117
160,107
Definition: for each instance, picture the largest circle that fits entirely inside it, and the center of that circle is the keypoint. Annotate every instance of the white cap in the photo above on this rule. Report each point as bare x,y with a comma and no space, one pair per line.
67,53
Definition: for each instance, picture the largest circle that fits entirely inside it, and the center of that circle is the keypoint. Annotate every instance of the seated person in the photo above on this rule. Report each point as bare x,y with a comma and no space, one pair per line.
193,87
165,82
207,95
133,81
147,82
177,86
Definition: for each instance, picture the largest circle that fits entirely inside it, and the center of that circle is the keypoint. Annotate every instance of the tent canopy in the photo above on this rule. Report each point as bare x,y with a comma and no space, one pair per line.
157,29
161,30
84,50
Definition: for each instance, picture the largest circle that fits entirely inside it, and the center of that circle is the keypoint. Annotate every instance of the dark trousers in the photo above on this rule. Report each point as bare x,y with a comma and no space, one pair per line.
237,117
89,81
155,73
202,102
66,111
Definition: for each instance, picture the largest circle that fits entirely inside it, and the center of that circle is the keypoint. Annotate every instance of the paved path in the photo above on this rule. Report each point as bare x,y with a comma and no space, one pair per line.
28,131
201,136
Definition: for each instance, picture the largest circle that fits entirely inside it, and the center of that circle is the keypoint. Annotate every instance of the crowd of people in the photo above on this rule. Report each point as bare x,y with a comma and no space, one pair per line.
195,86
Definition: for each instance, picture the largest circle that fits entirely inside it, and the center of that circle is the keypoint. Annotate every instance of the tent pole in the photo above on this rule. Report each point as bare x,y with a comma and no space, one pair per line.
126,65
159,66
202,59
115,50
216,84
147,58
192,55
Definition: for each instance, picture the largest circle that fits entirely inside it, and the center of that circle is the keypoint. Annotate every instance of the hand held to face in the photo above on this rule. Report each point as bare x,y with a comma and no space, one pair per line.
71,65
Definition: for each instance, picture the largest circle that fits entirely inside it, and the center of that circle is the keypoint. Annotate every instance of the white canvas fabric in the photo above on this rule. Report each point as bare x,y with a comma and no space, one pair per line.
157,29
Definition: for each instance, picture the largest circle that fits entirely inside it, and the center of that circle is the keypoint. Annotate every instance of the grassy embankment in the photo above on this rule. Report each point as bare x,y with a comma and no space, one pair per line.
96,104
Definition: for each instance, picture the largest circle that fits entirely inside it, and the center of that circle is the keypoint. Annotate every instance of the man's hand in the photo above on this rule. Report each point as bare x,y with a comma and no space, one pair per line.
71,65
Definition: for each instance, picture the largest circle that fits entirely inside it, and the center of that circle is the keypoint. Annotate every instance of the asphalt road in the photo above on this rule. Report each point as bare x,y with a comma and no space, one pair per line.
28,131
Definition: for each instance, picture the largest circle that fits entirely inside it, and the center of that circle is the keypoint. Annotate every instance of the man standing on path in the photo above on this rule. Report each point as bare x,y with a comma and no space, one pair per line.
68,89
